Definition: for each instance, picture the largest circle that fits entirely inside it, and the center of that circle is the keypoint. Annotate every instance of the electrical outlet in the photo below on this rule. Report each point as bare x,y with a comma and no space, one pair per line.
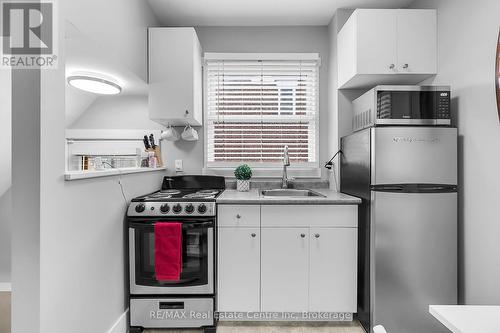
178,166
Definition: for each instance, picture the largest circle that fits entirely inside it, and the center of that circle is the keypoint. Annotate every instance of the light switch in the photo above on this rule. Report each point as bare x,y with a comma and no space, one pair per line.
178,165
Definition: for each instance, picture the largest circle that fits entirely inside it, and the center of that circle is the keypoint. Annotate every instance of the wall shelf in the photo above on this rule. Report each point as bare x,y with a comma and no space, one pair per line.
76,175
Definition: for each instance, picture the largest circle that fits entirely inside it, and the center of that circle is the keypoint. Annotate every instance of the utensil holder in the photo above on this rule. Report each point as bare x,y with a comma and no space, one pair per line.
157,151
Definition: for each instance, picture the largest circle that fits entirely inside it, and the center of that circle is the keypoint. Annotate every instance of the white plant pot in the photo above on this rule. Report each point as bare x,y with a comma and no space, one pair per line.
243,185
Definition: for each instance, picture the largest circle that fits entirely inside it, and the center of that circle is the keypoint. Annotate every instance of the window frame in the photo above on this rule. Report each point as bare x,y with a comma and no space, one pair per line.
265,171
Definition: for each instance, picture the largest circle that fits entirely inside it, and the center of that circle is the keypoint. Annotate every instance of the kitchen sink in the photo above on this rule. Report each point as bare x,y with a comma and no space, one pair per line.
290,193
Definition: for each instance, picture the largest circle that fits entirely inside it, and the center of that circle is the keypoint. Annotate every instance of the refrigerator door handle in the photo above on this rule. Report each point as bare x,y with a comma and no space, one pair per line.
414,188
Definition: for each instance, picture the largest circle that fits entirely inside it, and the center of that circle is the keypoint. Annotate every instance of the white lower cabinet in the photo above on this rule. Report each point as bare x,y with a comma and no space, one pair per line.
284,262
287,262
333,270
239,269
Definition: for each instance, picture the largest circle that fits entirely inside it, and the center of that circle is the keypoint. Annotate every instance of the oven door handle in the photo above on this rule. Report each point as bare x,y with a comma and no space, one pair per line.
189,225
198,225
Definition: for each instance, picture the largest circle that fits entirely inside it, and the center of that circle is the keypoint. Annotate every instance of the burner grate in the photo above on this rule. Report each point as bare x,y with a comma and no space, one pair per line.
208,192
160,195
199,196
172,192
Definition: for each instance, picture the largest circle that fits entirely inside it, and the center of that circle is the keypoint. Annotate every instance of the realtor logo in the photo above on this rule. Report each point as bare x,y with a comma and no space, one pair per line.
28,34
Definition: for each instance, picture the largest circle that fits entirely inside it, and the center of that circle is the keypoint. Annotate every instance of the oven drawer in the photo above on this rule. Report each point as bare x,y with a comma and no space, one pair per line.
171,312
239,215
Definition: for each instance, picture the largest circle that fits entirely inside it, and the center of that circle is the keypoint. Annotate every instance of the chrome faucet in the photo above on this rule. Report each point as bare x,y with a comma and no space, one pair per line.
286,163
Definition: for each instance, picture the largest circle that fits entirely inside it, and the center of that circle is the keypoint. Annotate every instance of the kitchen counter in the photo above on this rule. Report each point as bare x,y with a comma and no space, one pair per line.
254,197
467,318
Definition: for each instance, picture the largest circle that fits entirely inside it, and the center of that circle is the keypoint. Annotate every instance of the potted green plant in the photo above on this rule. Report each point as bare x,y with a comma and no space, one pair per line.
243,173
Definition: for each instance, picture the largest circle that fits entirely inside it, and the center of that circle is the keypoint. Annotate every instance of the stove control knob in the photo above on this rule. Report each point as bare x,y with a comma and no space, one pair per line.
140,208
202,209
165,208
189,208
177,208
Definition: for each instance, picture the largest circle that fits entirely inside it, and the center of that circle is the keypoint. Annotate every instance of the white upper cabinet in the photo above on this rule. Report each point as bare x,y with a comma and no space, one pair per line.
387,46
417,41
376,42
175,77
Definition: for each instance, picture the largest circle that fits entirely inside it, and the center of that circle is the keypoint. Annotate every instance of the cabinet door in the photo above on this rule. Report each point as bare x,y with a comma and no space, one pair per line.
417,41
376,35
238,269
197,112
333,270
284,265
175,76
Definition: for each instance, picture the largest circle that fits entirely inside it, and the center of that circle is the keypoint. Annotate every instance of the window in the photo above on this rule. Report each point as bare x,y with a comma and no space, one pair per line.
258,104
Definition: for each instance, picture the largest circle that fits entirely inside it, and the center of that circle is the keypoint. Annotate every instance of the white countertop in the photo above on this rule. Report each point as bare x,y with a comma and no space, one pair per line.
253,197
467,318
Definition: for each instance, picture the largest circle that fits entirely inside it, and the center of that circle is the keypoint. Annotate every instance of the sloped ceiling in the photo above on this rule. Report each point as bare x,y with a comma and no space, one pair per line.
85,55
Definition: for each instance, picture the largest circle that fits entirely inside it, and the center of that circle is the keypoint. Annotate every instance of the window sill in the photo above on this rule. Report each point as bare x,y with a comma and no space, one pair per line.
75,175
265,173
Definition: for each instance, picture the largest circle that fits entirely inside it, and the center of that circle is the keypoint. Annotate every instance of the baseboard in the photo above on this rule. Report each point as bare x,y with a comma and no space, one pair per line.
5,286
120,326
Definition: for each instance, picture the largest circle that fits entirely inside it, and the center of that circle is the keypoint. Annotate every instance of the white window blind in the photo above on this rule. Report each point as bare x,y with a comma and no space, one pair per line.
254,108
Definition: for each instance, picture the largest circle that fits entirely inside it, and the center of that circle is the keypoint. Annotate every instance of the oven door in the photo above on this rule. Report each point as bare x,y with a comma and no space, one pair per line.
197,275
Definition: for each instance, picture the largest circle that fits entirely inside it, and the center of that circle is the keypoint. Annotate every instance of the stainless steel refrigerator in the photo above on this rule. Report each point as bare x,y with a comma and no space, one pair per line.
407,178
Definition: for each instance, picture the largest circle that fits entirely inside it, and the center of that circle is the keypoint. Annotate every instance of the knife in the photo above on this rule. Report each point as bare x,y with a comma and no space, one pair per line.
152,141
146,142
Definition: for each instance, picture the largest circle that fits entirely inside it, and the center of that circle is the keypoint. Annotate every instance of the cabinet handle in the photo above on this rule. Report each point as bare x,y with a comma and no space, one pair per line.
253,235
303,235
238,216
316,235
405,66
391,66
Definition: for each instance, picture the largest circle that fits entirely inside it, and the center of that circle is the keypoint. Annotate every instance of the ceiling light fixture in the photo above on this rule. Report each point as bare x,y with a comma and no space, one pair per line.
94,84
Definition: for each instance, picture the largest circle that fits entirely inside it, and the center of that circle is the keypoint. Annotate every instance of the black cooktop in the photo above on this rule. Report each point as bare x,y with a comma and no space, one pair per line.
186,188
181,195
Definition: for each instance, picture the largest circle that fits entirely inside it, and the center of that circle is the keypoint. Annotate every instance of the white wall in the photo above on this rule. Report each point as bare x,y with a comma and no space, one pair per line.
117,25
340,101
77,102
5,174
117,112
339,120
25,240
258,39
467,41
82,282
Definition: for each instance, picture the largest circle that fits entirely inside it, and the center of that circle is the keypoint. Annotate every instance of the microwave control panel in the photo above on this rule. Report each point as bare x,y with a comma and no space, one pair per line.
443,105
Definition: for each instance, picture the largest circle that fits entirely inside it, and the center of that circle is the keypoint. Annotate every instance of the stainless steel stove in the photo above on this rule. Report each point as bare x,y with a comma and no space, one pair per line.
189,200
176,202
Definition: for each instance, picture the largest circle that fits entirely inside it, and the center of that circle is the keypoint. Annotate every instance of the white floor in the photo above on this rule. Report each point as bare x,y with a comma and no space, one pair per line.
241,327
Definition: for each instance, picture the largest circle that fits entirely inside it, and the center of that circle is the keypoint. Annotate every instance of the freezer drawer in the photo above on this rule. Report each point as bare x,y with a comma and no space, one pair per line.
171,312
418,155
414,259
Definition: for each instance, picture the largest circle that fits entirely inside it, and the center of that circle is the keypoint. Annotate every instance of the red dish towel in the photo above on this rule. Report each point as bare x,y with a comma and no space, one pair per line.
168,251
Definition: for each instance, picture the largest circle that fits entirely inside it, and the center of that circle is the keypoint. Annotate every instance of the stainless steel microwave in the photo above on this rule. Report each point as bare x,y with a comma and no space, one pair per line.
402,105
